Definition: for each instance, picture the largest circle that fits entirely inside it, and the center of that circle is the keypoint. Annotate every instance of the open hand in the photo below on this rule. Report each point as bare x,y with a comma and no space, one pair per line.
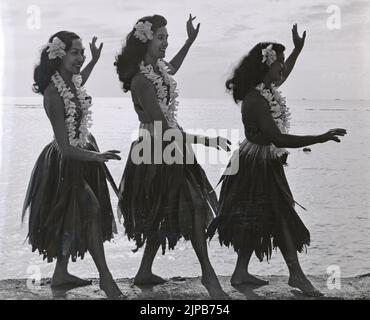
332,134
192,32
108,155
220,143
297,40
95,51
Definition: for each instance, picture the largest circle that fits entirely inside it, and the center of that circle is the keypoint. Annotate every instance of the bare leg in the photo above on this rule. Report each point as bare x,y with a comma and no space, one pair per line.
241,274
145,275
96,249
209,278
297,278
61,277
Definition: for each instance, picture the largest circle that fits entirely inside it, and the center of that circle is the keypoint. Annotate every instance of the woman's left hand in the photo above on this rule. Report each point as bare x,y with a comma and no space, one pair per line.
95,51
192,32
219,143
297,40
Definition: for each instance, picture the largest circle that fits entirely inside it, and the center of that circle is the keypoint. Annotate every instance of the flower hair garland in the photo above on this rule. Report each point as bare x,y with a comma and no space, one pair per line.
164,86
268,55
77,130
56,48
278,108
143,31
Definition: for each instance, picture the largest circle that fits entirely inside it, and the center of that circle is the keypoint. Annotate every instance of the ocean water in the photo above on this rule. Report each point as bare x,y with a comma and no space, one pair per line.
332,182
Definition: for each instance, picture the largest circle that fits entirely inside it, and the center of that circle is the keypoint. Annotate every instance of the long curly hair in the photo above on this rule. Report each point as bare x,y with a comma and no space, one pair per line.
47,67
250,71
133,52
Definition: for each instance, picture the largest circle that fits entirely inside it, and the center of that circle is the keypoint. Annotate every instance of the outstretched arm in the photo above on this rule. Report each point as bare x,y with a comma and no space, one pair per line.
144,91
290,62
271,132
95,54
177,61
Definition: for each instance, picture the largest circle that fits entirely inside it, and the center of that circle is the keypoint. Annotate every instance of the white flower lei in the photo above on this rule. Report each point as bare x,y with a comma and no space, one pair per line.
278,108
70,109
169,109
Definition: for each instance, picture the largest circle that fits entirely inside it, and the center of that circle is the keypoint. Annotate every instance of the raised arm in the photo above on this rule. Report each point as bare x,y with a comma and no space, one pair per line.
290,62
55,110
260,110
95,55
175,64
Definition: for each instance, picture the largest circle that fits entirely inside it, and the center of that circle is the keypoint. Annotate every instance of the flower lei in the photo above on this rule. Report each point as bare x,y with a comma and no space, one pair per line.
161,85
77,133
278,108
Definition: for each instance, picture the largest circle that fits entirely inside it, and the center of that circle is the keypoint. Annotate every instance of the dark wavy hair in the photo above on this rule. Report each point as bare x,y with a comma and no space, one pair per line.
250,71
133,52
46,67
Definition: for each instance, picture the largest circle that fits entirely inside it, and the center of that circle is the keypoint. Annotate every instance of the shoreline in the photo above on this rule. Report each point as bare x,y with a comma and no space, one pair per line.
352,288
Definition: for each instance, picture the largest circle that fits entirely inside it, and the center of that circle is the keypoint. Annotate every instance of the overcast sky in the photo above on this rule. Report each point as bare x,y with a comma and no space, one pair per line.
335,63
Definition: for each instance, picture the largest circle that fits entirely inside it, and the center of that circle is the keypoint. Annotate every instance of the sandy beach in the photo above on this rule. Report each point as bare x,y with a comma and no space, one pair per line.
353,288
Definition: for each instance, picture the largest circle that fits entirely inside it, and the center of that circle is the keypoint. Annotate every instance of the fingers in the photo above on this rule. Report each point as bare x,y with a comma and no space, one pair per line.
304,35
336,139
191,18
111,155
198,26
223,143
338,131
294,29
101,46
114,151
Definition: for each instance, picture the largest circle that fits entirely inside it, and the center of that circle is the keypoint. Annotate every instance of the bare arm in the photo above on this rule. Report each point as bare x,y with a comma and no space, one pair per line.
54,108
177,61
144,91
260,110
175,64
290,62
95,53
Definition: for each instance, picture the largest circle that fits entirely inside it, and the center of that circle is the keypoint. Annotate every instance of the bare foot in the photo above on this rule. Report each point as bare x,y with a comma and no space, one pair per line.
246,278
111,289
66,279
302,283
148,279
214,288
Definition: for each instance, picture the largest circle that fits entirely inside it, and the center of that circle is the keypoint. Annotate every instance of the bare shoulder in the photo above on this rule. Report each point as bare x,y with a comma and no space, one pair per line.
254,103
139,81
52,99
51,91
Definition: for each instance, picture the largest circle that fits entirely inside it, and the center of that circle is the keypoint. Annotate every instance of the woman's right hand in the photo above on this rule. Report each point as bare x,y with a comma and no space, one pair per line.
332,134
108,155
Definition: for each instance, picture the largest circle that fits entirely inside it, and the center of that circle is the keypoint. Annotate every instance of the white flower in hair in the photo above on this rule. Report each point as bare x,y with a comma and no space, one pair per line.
143,31
56,49
268,55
